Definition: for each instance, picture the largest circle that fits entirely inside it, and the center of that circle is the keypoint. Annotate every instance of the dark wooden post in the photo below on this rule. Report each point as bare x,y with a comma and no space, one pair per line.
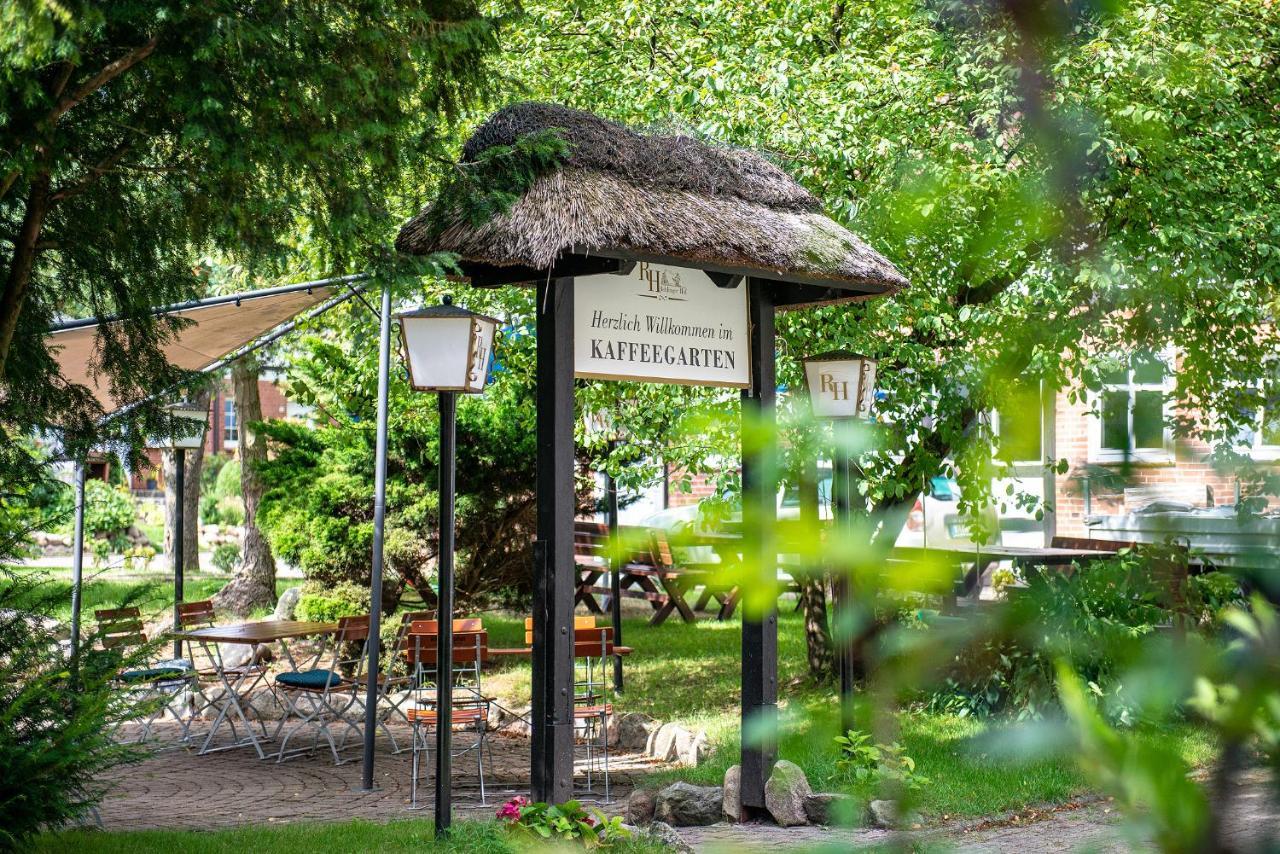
552,751
759,512
842,493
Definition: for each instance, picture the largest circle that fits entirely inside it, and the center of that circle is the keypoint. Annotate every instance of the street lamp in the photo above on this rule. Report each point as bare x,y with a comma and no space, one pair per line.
841,389
448,350
187,423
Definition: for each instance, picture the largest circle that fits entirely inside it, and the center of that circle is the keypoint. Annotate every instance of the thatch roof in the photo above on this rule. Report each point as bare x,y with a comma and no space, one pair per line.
623,194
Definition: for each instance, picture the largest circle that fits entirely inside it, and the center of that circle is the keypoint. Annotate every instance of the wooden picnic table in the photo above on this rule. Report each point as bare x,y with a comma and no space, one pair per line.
648,571
1021,555
526,651
239,681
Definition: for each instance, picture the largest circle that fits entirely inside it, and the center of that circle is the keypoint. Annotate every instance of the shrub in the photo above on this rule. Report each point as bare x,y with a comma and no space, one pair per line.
226,556
1088,620
231,510
227,482
56,717
863,761
567,822
326,605
109,511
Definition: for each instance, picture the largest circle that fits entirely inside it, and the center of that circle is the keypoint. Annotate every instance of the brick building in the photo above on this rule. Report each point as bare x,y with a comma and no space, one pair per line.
223,435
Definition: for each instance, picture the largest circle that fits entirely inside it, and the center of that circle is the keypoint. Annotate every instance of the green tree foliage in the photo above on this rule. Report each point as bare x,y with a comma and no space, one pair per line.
1057,184
108,510
134,136
318,507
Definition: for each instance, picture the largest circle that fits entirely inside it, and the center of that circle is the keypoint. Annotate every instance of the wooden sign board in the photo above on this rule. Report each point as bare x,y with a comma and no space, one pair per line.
662,324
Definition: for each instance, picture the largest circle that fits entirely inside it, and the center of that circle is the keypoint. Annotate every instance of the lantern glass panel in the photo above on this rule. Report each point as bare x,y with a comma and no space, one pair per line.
437,350
841,388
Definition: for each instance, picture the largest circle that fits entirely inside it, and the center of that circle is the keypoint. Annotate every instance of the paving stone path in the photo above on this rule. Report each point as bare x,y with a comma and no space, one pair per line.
178,789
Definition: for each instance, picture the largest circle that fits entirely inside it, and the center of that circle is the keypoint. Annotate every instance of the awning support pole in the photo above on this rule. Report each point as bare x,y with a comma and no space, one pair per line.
379,518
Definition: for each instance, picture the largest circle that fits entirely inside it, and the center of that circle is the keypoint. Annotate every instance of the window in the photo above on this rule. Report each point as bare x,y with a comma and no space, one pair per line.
1019,425
230,427
1266,438
1132,411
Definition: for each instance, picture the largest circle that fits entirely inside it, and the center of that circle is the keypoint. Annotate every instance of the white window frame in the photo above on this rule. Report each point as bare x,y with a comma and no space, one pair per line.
1152,456
1260,450
1019,465
230,421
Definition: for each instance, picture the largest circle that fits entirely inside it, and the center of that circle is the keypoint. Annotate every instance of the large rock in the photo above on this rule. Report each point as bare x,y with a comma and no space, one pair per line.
639,807
829,808
731,801
674,743
287,604
685,805
634,730
665,834
882,814
785,793
696,750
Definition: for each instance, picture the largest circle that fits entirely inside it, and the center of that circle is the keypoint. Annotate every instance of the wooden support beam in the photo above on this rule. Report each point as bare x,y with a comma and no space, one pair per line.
555,577
759,490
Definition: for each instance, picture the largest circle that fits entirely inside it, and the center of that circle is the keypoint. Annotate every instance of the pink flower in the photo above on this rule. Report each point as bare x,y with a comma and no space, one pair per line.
510,811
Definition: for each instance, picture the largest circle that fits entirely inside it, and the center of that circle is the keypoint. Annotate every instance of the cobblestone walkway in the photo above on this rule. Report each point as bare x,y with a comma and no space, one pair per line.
177,789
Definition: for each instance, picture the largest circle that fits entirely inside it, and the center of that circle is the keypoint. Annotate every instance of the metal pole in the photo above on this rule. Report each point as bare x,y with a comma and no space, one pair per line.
551,750
444,619
77,566
842,518
179,483
615,571
759,515
379,516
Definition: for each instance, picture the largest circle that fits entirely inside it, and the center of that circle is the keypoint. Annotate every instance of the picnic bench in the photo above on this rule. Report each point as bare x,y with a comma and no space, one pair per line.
647,569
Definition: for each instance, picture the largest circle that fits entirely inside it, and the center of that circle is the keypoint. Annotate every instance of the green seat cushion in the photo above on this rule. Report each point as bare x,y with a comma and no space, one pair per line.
153,674
312,680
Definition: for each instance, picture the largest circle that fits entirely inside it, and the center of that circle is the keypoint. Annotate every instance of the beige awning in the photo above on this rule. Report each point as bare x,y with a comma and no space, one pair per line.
219,328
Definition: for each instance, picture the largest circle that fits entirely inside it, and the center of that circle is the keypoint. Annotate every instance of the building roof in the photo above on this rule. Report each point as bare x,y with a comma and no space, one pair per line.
632,196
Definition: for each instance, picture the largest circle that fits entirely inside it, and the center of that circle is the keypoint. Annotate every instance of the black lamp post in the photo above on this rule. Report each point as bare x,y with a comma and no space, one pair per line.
187,425
448,351
841,389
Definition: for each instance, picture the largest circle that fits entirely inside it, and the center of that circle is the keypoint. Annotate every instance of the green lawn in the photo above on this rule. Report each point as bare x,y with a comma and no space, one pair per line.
404,835
690,674
151,590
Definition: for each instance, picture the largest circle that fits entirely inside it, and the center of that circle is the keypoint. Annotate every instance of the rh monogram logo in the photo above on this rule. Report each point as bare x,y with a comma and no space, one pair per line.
661,284
837,390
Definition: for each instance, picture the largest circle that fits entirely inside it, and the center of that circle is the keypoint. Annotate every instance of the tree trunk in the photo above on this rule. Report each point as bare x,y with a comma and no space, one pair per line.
22,262
190,500
254,584
813,591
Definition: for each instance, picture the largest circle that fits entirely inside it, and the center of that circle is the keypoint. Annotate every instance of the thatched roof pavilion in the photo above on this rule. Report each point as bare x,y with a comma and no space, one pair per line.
620,194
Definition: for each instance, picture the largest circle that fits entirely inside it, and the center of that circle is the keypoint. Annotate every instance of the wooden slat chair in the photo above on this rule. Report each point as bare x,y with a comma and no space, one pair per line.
470,705
395,685
162,682
593,704
321,698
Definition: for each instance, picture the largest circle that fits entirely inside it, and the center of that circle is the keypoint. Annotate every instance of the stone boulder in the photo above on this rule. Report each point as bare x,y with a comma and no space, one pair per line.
785,793
665,834
731,802
639,807
829,808
634,730
287,604
686,805
673,743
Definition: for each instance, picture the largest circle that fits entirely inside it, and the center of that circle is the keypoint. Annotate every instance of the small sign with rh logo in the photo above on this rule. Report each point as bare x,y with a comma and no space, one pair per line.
659,323
841,385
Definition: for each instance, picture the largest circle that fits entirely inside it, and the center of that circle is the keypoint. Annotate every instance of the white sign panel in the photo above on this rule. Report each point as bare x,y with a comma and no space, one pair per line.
661,324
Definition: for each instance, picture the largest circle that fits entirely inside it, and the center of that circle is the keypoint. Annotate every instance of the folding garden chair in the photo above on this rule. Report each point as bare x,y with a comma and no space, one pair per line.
320,698
593,705
161,682
470,705
236,682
